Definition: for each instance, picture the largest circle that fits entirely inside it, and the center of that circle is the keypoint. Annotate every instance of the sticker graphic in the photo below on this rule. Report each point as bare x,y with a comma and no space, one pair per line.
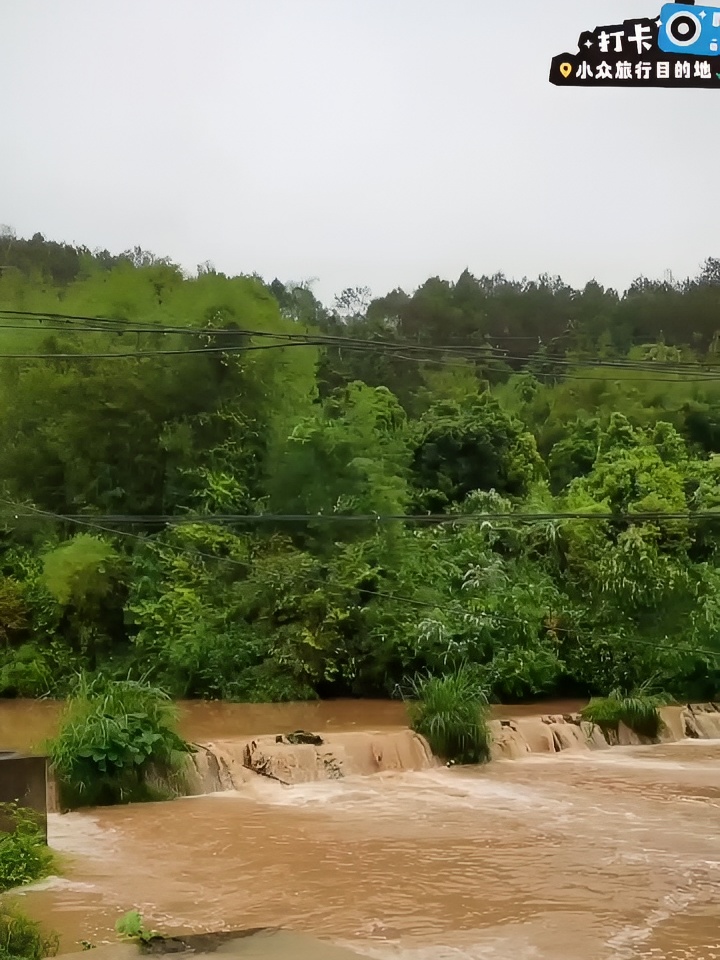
678,48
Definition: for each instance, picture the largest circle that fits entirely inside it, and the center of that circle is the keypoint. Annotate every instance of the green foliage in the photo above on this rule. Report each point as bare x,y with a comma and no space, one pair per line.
450,712
471,445
80,573
25,672
117,744
350,457
24,855
482,395
14,621
131,927
23,939
637,709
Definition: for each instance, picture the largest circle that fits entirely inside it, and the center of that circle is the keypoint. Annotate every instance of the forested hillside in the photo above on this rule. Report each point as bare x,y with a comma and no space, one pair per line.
223,485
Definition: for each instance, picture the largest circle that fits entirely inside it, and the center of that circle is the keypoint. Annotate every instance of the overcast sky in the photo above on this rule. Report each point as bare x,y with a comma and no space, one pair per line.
361,142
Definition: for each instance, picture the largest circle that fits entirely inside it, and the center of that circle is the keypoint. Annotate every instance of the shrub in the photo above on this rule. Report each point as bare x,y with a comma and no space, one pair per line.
451,713
25,673
22,939
638,710
132,927
117,744
268,683
24,855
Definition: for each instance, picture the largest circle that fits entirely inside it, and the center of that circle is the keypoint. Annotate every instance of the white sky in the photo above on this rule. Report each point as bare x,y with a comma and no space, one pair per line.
362,142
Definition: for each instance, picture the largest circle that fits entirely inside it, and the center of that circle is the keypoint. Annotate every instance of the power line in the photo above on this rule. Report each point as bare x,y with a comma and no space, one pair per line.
679,376
476,352
174,520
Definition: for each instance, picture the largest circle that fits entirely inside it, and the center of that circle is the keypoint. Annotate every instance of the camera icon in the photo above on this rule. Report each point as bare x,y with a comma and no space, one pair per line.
686,28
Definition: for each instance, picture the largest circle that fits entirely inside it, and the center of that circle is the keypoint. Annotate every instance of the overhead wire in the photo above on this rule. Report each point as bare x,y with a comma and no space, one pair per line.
121,326
438,519
407,351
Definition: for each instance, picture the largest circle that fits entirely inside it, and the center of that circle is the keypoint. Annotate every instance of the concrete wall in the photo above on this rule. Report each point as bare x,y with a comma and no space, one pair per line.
23,780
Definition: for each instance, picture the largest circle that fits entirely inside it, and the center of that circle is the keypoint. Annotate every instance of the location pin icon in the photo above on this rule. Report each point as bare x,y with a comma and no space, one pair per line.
566,69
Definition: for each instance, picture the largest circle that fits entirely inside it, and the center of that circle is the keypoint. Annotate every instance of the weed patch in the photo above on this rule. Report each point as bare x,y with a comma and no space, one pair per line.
118,744
451,713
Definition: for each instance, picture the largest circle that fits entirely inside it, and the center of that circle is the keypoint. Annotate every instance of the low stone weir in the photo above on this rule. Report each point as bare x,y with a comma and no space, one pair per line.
224,765
306,758
514,739
232,764
702,722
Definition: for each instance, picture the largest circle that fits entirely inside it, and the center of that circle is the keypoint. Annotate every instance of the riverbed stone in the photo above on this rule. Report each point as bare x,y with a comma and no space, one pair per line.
594,736
538,735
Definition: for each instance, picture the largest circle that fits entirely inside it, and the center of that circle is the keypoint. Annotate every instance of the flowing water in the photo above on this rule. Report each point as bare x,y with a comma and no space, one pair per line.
608,854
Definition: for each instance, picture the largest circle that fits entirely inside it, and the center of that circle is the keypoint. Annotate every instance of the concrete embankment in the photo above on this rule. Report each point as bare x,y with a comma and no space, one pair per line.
260,945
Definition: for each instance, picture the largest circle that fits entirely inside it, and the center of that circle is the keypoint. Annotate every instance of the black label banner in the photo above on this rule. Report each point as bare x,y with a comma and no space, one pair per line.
680,48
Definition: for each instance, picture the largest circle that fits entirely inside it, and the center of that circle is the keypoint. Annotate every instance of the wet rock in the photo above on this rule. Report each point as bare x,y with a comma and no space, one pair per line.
197,942
507,741
628,737
567,736
707,724
612,737
672,728
301,736
538,735
594,736
691,730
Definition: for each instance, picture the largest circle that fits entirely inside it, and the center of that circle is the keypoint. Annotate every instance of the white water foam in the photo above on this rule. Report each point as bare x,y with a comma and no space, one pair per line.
388,793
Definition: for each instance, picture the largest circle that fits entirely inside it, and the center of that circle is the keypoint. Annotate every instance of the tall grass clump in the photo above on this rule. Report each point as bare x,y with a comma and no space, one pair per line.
23,939
118,743
24,855
638,709
451,713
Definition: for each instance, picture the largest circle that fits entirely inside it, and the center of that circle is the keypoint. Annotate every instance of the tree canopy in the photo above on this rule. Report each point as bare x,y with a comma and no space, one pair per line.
222,485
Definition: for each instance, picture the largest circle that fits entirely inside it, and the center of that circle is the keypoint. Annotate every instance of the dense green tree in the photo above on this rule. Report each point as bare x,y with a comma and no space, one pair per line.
187,399
471,444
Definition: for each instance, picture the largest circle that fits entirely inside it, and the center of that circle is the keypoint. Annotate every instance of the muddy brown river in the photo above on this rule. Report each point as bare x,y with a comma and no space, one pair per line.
592,855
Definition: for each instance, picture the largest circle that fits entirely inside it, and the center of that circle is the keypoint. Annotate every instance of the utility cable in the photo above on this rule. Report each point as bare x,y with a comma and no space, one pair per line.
469,351
174,520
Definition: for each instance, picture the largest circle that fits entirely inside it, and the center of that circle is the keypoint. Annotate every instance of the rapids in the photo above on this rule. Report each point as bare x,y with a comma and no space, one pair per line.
584,853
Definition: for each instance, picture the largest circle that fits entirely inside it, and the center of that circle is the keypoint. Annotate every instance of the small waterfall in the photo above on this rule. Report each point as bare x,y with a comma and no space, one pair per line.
223,765
702,722
514,739
230,764
234,764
